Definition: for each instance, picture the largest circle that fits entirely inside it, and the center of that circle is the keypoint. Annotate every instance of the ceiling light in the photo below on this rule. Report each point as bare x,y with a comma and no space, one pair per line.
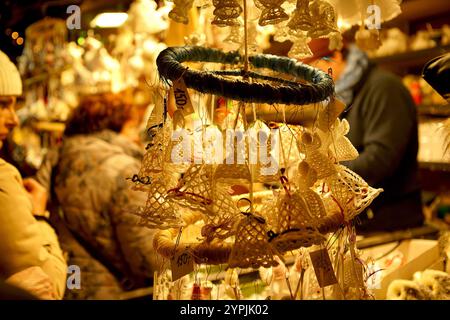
109,20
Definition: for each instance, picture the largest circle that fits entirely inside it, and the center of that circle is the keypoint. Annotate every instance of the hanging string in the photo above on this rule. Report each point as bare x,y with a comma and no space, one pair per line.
245,40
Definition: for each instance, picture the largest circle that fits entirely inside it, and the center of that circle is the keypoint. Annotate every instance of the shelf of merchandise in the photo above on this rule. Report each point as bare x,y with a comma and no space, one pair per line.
411,58
434,110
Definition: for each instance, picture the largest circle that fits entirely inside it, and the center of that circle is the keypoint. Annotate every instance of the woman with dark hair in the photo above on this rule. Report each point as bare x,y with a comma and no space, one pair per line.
89,182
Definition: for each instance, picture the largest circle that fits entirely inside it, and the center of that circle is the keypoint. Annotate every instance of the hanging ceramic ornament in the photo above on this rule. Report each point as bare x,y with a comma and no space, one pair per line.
301,17
251,248
226,12
272,12
180,11
324,19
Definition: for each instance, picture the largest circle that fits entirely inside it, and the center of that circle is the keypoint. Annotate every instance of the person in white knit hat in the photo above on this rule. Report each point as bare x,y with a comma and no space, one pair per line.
30,255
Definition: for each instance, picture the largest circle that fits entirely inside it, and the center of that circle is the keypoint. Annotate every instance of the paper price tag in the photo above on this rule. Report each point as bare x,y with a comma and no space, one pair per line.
181,264
181,95
323,267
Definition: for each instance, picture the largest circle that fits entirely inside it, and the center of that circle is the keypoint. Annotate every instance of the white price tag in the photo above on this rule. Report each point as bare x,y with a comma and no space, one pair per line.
181,264
323,268
181,95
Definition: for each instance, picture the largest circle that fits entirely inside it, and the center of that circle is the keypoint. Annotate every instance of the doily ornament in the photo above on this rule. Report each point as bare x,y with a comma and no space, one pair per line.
272,12
180,11
226,13
251,247
324,19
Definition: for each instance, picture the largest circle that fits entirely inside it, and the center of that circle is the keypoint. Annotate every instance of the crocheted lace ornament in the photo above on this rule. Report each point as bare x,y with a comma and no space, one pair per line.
251,247
272,12
301,17
368,39
293,225
313,201
160,212
328,115
324,19
310,144
235,35
221,216
351,192
300,49
195,188
226,12
263,152
180,11
336,144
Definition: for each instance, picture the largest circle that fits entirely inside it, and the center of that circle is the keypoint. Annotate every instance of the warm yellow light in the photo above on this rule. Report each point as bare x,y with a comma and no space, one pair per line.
15,35
109,20
19,41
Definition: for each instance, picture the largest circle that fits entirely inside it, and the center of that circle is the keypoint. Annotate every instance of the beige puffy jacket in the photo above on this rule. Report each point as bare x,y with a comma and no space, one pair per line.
30,255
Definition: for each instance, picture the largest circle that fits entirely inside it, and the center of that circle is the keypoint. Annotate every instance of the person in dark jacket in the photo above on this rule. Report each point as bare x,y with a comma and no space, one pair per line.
383,128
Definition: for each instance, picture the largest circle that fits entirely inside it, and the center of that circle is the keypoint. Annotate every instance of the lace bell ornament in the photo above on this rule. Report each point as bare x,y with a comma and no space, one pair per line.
251,247
180,11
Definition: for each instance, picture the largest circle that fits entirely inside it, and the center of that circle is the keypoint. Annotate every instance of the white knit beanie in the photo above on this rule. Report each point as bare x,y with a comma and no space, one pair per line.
10,82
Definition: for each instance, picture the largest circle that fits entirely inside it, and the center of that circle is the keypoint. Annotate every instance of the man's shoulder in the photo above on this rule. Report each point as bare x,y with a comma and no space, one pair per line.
384,78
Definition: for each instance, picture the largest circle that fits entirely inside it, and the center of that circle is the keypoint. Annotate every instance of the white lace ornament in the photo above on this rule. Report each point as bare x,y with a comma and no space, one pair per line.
324,19
272,12
301,18
180,11
251,247
351,192
160,212
226,13
310,145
